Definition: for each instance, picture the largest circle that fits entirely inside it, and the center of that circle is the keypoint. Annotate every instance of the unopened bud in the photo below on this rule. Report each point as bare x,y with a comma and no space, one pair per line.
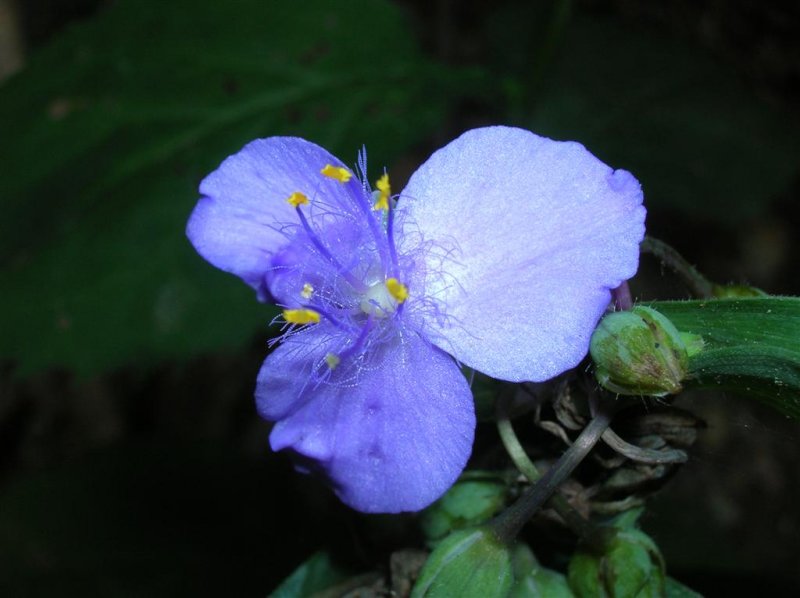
469,562
640,352
617,563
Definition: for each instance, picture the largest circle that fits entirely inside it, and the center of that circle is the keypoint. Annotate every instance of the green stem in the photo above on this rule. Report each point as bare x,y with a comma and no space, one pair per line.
509,523
698,284
571,517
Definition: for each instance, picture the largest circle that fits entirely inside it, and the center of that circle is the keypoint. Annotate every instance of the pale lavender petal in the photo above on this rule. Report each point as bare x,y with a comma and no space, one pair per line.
242,218
517,241
392,435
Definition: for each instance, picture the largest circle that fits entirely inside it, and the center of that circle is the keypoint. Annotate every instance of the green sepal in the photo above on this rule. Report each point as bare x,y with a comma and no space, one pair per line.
475,498
469,562
751,346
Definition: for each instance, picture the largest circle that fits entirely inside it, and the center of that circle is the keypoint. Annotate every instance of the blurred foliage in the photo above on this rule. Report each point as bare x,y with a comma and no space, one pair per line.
698,139
109,129
146,520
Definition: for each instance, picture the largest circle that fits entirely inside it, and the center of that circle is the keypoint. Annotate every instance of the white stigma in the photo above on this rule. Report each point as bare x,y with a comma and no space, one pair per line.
378,301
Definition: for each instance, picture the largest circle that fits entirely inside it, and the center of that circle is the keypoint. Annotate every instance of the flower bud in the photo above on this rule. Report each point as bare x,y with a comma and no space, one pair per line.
615,562
469,562
640,352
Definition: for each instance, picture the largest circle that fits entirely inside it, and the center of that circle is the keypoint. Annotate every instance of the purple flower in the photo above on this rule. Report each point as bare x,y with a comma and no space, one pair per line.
499,254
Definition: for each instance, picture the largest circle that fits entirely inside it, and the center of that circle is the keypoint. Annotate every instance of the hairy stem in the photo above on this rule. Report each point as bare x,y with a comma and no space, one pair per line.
643,455
622,297
509,523
698,284
571,517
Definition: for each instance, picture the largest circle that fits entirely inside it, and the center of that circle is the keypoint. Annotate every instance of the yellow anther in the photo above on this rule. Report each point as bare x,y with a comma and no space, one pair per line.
337,172
384,193
332,360
397,289
297,199
301,316
307,291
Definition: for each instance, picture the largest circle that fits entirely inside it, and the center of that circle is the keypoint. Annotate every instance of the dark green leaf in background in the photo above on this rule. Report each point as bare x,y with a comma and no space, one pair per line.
151,519
109,130
696,137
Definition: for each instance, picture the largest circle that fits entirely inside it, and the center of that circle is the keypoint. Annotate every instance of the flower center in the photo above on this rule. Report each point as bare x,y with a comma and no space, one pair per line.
378,301
371,291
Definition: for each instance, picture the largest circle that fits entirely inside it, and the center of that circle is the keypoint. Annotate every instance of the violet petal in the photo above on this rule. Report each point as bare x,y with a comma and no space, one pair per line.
242,218
391,433
522,238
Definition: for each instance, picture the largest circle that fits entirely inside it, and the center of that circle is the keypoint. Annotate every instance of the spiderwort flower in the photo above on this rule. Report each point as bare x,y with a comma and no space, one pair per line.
499,255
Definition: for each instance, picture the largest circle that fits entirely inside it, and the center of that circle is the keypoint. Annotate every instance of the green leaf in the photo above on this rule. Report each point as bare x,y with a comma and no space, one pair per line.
697,139
109,130
751,346
314,575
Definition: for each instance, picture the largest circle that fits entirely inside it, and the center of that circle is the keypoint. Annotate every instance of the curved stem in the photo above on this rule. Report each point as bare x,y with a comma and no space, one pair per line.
515,450
571,517
698,284
643,455
509,523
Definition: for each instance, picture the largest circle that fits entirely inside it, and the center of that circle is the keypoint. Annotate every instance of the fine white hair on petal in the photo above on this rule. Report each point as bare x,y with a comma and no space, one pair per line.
544,231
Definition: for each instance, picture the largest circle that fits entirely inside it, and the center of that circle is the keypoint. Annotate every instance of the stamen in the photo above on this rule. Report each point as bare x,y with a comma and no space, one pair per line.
384,192
397,289
337,173
297,199
354,282
301,316
358,344
390,237
307,291
332,360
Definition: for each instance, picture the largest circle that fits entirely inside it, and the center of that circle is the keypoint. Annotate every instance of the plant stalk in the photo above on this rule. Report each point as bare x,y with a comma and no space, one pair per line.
509,523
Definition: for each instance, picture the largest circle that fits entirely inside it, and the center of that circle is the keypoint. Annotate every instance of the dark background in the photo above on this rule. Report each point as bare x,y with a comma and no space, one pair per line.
131,459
